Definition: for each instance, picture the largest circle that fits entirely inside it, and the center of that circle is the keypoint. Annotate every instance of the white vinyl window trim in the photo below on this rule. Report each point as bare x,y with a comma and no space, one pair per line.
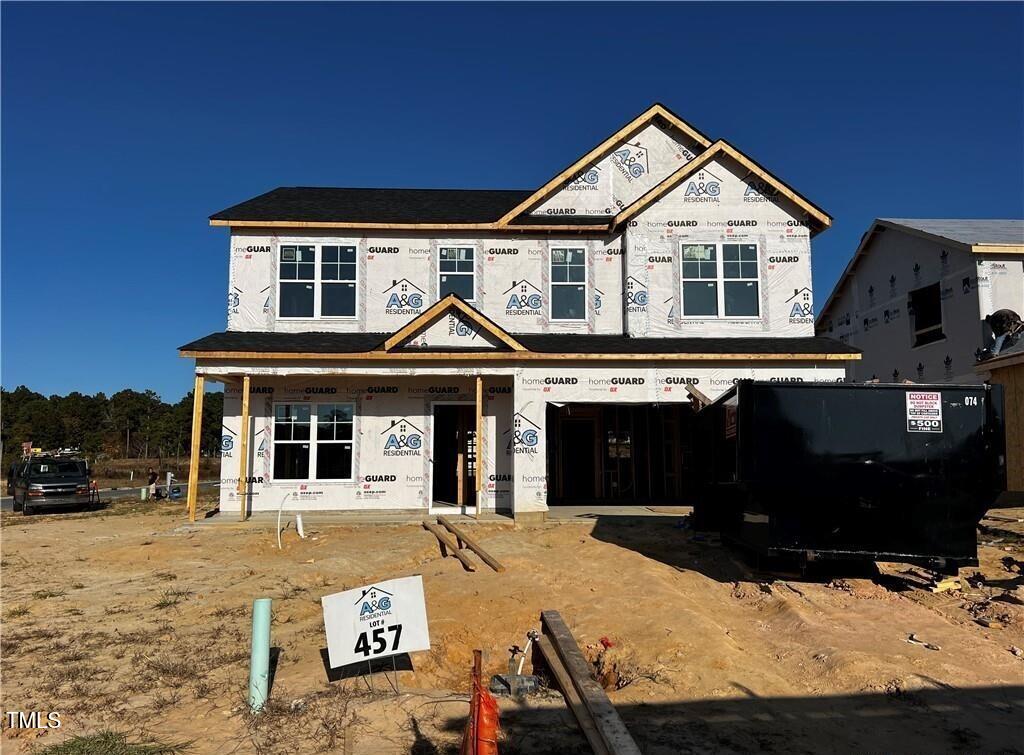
469,273
720,280
313,441
552,284
317,281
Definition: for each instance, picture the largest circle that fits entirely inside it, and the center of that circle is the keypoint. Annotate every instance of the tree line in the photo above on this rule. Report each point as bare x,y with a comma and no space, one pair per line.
127,424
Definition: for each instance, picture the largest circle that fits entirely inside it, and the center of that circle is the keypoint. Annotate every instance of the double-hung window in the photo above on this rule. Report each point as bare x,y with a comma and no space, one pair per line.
298,281
310,288
302,453
337,281
720,280
455,272
568,284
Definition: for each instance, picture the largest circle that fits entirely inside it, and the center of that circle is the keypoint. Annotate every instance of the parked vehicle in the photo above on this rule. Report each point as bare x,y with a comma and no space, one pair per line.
48,481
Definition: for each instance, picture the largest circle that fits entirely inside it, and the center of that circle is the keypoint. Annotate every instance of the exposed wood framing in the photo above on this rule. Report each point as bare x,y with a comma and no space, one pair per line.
606,719
447,543
598,153
243,461
438,310
479,440
505,356
473,545
197,431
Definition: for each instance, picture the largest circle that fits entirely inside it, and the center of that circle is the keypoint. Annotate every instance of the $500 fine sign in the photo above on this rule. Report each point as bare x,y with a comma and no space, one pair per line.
379,620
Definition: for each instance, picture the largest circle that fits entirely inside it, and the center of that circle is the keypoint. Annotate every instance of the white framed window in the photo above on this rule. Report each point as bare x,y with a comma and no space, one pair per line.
924,305
455,272
313,441
338,289
316,283
721,280
568,292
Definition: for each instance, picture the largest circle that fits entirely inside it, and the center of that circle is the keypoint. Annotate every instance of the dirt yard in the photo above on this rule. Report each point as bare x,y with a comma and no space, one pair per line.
126,620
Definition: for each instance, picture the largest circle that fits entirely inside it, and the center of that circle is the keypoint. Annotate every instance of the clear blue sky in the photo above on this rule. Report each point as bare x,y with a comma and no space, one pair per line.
125,126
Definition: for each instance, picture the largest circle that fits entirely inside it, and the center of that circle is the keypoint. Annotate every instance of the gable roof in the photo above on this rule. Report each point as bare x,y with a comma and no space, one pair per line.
435,312
656,112
479,209
975,236
973,233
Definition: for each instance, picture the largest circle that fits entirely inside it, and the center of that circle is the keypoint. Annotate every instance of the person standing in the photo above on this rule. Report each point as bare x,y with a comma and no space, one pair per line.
153,477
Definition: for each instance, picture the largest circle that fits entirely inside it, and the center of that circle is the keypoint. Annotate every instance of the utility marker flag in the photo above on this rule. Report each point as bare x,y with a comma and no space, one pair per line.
376,621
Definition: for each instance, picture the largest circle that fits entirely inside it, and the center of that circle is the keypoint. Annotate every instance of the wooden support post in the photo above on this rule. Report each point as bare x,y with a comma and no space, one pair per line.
243,461
451,545
471,543
479,442
197,431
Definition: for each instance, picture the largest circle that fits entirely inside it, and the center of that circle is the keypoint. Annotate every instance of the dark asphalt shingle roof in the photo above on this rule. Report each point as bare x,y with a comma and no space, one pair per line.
967,231
546,343
311,204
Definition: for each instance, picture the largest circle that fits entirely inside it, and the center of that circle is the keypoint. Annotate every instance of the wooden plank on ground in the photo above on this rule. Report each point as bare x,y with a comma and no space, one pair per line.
446,540
611,726
197,435
572,697
460,533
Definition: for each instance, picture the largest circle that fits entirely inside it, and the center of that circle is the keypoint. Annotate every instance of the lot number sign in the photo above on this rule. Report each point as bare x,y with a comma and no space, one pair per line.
376,621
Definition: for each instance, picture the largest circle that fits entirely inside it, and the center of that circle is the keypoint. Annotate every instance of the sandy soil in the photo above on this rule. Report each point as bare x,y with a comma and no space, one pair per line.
127,620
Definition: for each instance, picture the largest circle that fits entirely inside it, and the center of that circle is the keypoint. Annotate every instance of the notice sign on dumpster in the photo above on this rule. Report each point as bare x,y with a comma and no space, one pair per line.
376,621
924,412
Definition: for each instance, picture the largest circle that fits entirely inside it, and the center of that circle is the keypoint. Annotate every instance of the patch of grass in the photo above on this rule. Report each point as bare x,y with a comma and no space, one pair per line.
166,576
112,743
44,594
171,598
77,586
17,612
170,666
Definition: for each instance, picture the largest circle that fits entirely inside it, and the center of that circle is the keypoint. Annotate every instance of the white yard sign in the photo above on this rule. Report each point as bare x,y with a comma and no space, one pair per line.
924,412
376,621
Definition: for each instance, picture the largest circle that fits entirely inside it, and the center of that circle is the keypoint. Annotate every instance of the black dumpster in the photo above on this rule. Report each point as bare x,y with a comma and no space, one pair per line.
879,472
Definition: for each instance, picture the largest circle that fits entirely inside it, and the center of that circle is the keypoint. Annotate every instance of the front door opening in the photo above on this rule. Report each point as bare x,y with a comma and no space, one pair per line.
619,453
454,456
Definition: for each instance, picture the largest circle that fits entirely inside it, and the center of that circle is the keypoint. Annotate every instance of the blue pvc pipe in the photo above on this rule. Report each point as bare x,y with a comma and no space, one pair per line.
259,663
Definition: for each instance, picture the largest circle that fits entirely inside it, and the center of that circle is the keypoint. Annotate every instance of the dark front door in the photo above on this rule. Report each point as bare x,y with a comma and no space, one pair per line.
454,455
578,438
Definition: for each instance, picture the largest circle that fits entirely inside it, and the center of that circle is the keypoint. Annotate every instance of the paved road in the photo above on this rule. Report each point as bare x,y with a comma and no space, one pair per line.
7,502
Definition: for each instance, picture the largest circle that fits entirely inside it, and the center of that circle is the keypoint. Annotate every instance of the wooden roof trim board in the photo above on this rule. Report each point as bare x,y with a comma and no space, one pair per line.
997,249
508,356
436,311
656,110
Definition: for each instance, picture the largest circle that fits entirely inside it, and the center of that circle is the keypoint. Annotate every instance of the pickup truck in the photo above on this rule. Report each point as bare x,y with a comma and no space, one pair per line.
43,481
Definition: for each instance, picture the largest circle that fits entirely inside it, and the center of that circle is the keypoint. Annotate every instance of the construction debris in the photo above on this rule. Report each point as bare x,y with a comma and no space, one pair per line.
449,546
465,540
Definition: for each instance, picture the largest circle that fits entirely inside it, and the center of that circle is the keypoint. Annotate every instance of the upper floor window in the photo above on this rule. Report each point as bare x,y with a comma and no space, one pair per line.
568,284
720,280
298,451
925,309
308,289
456,273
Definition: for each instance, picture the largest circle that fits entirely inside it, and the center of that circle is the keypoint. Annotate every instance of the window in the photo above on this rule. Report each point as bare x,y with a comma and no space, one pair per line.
311,290
700,280
337,281
334,442
298,271
291,442
327,453
568,284
925,309
721,280
455,273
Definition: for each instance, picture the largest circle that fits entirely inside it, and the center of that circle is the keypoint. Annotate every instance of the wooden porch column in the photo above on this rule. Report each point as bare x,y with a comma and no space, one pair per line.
479,441
197,430
243,461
